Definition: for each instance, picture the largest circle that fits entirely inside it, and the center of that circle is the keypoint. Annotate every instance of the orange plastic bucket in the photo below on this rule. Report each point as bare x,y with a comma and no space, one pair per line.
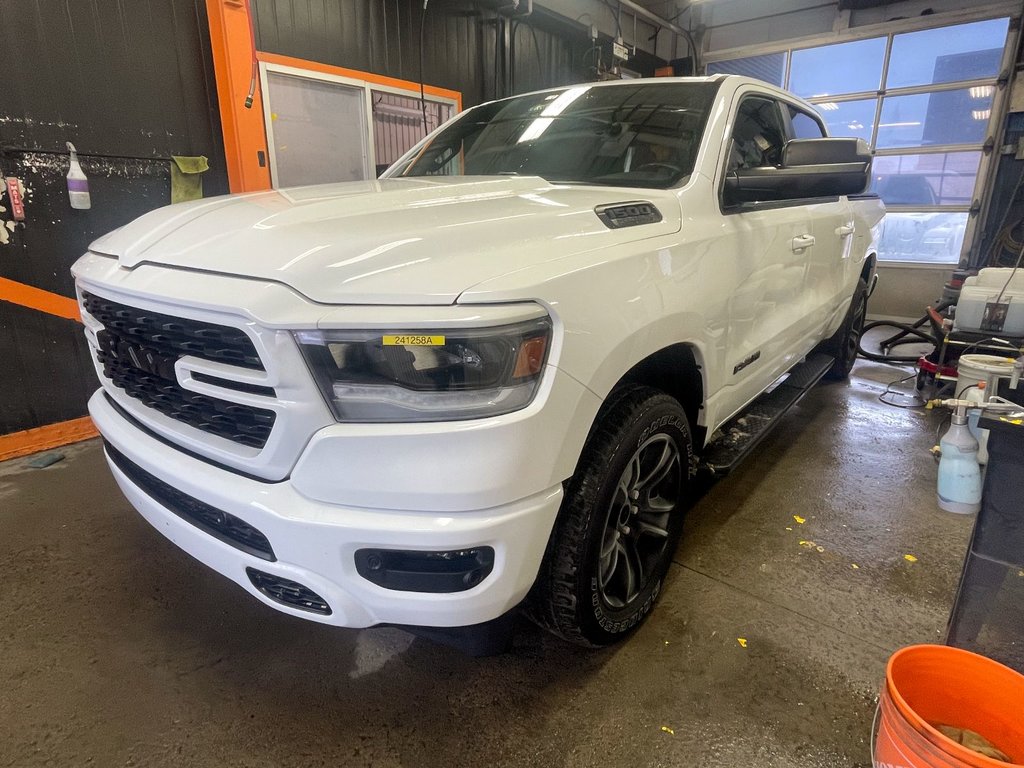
927,684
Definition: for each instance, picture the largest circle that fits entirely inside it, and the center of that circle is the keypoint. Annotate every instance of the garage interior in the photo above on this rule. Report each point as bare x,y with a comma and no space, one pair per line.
798,575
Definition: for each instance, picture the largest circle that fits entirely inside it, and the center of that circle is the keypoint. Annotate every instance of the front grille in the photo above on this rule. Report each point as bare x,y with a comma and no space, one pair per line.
288,592
173,337
219,524
138,350
236,422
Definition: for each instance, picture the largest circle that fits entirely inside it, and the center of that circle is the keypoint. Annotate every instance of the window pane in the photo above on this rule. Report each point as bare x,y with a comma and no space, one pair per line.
398,124
931,238
947,54
804,126
318,131
757,136
771,67
942,117
842,68
849,118
937,179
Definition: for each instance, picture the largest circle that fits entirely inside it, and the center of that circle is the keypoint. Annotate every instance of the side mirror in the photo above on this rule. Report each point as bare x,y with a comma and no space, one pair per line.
810,168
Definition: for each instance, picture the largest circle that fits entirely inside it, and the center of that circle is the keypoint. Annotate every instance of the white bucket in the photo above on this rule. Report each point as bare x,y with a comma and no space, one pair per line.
988,368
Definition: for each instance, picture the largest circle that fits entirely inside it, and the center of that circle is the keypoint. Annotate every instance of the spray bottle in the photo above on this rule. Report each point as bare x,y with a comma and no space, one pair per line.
959,472
78,183
959,487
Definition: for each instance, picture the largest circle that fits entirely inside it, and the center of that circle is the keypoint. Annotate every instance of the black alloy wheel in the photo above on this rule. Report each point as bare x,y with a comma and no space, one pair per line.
620,521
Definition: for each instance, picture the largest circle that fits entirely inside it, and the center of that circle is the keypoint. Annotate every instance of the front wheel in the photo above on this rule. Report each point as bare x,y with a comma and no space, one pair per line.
620,521
846,341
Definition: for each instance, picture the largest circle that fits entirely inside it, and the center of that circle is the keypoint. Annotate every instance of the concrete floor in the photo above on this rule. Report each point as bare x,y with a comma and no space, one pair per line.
117,649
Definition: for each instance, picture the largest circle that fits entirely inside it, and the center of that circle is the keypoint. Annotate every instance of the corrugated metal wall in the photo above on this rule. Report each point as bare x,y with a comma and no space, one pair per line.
130,83
379,36
467,45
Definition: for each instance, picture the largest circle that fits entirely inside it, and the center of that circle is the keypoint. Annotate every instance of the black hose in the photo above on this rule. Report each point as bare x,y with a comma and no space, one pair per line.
512,55
907,329
423,98
497,53
512,58
540,61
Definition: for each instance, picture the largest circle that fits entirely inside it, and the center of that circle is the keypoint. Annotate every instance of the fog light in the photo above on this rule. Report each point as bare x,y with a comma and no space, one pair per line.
425,571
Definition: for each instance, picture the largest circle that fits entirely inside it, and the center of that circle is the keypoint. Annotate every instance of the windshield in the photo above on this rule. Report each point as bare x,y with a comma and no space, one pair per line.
638,135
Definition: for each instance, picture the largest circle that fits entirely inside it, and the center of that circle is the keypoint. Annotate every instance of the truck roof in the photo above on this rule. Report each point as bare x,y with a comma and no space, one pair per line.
732,81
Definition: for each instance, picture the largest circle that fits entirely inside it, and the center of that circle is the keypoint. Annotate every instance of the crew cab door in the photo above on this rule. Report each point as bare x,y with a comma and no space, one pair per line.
770,247
830,279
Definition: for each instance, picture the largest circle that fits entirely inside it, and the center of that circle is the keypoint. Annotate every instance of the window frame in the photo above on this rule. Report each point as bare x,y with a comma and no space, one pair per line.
978,209
333,75
812,115
782,113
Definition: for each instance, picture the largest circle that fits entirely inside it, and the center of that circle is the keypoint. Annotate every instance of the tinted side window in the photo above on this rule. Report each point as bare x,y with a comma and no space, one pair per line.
805,126
757,136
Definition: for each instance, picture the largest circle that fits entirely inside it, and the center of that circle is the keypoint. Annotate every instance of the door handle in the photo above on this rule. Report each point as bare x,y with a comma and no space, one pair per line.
845,230
801,243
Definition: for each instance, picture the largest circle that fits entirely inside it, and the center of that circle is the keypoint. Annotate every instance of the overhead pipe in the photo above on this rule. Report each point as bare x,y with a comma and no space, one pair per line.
639,10
653,18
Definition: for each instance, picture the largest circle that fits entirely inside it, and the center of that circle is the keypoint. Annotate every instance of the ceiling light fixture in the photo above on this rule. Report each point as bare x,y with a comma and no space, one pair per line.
551,111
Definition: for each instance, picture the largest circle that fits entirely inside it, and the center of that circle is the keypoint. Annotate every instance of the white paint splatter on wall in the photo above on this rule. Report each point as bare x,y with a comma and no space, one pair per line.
6,225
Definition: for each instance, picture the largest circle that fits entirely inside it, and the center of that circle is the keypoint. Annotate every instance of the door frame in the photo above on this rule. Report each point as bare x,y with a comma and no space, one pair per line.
367,84
369,155
235,59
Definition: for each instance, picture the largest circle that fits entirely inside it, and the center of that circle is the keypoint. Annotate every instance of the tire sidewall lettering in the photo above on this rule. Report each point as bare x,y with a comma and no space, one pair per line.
656,426
613,626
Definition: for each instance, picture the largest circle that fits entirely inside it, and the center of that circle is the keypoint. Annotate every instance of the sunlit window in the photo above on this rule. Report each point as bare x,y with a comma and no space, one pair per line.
926,113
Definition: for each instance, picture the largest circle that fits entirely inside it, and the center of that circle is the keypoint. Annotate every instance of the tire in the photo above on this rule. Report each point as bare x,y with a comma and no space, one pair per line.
844,344
607,557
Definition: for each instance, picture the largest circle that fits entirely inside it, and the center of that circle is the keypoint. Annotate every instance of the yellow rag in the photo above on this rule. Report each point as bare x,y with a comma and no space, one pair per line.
187,177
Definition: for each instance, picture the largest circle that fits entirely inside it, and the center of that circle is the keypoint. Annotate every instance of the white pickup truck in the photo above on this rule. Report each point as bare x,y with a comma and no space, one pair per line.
487,378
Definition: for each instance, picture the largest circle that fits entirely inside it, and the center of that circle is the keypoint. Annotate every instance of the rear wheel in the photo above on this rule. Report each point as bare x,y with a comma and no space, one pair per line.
844,344
620,521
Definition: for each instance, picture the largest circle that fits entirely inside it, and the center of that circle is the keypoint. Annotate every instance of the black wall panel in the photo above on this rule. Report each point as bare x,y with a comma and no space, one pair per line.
130,84
47,375
466,46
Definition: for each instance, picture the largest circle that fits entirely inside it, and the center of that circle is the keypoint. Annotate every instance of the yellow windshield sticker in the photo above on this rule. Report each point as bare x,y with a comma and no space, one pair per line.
409,340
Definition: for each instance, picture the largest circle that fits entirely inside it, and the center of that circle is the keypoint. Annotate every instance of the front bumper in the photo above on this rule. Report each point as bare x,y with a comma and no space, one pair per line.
315,542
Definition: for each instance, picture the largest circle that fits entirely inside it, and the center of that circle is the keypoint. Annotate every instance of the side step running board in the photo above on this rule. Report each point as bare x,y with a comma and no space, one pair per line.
742,433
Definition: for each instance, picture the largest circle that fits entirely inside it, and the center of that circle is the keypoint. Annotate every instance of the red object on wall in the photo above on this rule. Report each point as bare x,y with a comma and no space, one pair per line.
14,194
668,71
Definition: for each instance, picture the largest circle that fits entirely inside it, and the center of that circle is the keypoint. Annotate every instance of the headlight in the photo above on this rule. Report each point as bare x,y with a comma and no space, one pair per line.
427,375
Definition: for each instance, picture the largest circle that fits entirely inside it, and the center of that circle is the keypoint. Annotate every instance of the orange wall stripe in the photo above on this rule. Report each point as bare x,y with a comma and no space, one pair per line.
40,439
244,135
36,298
355,74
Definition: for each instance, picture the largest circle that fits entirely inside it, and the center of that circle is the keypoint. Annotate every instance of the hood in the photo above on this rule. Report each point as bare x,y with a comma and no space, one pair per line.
391,241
